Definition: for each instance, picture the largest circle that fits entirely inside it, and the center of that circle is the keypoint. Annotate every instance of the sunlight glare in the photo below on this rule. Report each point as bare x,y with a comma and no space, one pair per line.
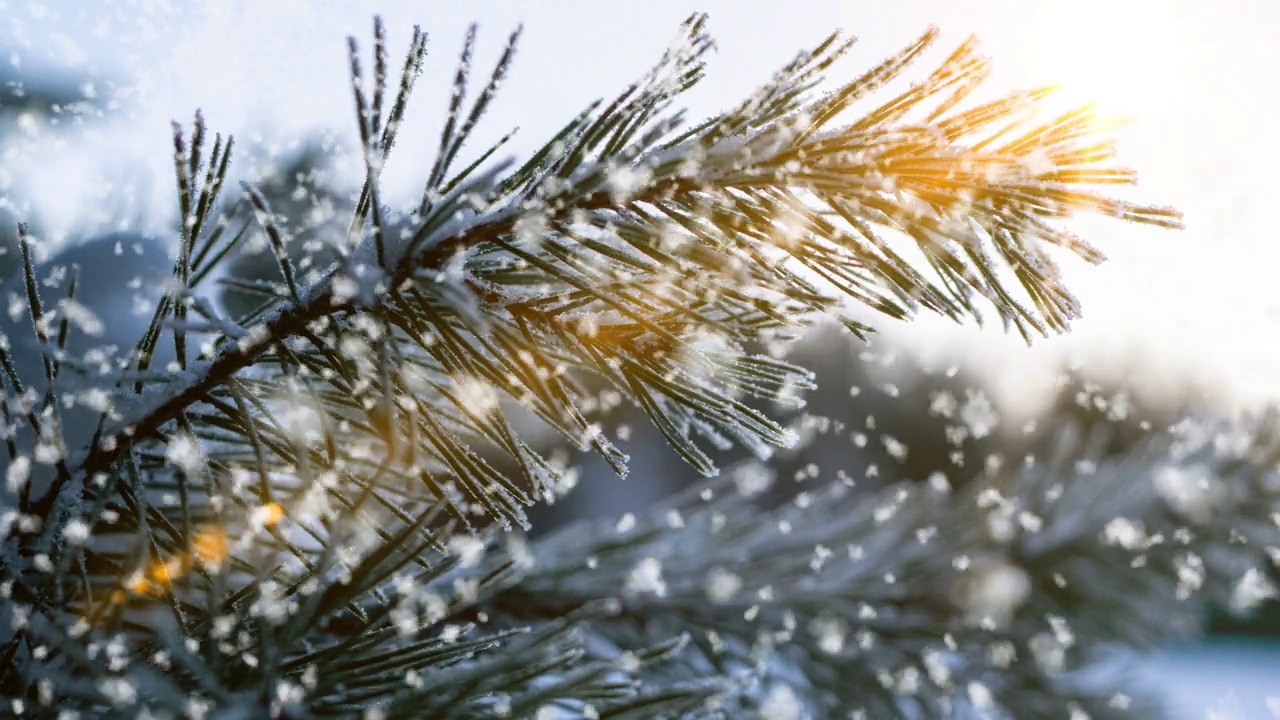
1115,53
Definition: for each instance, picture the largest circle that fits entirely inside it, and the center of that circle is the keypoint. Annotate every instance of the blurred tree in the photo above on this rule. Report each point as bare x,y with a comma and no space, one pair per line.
29,100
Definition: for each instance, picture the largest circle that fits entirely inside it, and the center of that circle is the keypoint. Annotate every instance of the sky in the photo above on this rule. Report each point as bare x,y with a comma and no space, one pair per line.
1195,77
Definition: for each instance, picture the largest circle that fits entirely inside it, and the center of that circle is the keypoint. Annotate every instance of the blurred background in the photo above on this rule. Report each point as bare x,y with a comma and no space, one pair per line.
1174,321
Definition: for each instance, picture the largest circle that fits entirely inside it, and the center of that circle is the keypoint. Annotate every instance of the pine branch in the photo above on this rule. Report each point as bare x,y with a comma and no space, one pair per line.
920,600
335,438
725,191
914,601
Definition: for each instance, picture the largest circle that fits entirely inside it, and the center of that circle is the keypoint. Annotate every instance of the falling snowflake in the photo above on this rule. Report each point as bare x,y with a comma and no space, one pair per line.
469,549
979,415
722,585
185,452
18,473
76,532
781,704
753,478
1252,589
1188,490
646,578
477,396
996,589
81,317
626,180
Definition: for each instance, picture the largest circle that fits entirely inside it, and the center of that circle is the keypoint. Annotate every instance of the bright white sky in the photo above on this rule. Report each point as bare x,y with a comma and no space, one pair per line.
1198,77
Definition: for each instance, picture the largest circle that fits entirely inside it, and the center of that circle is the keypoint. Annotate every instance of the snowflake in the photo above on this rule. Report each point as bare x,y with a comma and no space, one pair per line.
626,524
753,478
118,690
625,181
303,422
1190,569
185,452
1252,590
979,415
530,228
18,473
477,397
722,585
781,704
1190,491
830,633
468,548
935,664
1049,653
76,532
646,577
82,317
96,399
1126,533
996,591
894,447
980,696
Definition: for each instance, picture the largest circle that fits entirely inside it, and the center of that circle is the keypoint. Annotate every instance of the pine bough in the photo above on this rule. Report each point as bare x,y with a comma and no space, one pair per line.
307,513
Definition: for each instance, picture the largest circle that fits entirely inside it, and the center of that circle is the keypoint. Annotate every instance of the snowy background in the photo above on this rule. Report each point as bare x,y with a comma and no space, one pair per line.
1198,79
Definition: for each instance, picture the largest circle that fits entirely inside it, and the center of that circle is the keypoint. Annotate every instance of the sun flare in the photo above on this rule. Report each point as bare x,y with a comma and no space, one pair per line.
1118,54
